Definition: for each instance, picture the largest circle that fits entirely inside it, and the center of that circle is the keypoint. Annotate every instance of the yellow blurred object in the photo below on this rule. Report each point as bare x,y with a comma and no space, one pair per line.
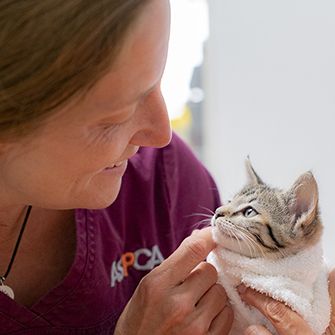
183,121
182,124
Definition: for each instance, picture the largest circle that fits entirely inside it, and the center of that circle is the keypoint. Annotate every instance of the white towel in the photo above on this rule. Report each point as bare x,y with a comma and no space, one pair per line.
301,281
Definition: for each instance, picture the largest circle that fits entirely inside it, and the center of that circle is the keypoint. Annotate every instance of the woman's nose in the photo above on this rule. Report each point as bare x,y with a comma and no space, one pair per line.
154,128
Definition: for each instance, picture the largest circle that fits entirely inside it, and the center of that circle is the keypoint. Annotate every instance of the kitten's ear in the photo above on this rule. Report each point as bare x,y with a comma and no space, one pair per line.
253,178
304,197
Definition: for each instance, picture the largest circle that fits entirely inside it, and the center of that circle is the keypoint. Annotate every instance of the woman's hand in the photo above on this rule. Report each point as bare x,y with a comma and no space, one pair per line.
180,296
285,321
331,328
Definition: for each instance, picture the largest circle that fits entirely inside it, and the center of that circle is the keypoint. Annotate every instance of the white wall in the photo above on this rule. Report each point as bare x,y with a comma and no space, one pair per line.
189,30
270,93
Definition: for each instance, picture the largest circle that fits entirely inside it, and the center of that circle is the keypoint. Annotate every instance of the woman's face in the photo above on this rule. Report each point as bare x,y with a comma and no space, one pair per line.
79,156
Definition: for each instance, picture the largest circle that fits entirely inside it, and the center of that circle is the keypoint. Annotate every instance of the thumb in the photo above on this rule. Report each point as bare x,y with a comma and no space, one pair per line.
192,251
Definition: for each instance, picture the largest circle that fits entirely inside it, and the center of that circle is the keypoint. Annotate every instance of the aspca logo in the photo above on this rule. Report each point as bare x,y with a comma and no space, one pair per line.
142,260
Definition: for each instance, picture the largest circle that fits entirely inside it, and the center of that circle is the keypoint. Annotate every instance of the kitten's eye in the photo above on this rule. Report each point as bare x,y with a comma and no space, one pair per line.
249,212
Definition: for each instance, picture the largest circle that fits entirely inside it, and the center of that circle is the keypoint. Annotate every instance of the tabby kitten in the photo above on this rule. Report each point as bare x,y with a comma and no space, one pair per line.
261,221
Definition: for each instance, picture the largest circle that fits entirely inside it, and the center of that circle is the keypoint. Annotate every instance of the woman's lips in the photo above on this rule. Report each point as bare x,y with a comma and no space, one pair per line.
118,168
118,164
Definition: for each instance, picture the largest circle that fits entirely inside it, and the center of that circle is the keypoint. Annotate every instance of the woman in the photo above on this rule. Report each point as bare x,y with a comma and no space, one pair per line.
88,208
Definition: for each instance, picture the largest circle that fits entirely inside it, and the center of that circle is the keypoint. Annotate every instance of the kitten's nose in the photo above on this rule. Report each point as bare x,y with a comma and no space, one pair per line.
219,213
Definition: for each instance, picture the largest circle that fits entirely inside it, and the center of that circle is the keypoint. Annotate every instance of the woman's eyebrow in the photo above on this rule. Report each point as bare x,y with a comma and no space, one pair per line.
121,104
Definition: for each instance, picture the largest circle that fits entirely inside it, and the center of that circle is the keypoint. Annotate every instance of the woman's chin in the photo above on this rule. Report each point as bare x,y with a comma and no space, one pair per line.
98,199
102,202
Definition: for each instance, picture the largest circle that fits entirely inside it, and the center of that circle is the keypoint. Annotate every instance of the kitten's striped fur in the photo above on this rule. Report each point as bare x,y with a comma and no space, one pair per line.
261,221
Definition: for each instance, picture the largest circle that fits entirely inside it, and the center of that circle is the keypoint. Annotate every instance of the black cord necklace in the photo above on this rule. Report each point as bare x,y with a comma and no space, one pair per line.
4,288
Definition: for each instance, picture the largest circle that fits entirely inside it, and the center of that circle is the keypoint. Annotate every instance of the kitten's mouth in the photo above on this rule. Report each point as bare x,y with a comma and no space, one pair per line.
223,228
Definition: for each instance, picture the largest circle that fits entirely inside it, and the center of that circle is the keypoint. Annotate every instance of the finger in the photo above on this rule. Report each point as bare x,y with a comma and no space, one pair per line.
211,304
282,317
331,328
332,292
192,251
256,330
221,325
200,280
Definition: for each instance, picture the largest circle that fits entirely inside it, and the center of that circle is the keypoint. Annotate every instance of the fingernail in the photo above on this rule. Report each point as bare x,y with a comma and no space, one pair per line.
252,330
276,310
241,289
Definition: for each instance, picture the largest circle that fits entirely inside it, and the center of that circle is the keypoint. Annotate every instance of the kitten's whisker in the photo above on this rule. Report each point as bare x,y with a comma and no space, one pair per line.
228,230
281,252
207,209
250,243
261,249
204,221
199,214
247,233
247,242
234,231
242,237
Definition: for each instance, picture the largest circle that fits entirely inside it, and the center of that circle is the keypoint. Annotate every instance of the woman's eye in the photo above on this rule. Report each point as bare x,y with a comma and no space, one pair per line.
249,212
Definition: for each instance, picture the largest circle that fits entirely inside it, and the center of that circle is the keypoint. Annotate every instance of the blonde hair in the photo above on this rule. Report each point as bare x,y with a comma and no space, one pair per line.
51,50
